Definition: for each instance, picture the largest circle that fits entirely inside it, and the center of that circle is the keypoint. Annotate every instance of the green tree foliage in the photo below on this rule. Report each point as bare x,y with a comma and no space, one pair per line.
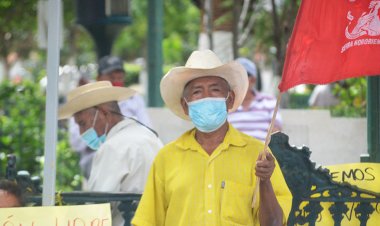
18,31
181,24
272,29
352,97
22,133
16,18
17,26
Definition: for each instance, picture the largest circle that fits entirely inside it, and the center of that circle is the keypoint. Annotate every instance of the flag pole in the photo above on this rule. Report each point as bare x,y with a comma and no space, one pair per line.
264,151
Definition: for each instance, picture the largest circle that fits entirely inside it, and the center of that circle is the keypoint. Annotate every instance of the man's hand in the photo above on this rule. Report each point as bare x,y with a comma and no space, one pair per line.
265,166
270,210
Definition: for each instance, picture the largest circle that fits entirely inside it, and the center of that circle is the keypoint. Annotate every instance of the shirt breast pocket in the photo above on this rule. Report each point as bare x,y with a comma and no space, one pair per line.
236,204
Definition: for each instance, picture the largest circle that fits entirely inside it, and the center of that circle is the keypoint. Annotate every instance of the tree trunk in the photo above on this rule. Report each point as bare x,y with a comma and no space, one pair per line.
277,36
218,33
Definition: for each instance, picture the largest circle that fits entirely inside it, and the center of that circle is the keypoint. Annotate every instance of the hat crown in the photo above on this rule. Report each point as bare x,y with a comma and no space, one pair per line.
248,65
203,59
108,64
87,88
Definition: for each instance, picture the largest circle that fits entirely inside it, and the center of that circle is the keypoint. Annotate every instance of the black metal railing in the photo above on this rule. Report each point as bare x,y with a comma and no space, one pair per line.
31,187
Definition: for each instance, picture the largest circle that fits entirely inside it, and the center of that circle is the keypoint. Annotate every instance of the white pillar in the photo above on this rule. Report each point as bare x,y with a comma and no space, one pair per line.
51,122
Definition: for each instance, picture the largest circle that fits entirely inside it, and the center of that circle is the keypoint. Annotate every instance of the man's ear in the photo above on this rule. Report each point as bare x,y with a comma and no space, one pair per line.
230,100
185,107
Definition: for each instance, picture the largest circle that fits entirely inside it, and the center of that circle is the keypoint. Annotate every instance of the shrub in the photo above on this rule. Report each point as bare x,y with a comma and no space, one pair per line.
22,129
352,97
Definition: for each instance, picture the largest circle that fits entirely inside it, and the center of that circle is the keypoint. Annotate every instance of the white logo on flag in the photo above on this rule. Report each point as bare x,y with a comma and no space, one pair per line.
367,24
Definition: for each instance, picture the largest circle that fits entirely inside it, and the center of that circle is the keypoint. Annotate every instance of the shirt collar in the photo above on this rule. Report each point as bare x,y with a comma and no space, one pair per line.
188,142
119,126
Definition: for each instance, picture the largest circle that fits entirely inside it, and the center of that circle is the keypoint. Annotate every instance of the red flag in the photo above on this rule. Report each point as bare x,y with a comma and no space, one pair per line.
333,40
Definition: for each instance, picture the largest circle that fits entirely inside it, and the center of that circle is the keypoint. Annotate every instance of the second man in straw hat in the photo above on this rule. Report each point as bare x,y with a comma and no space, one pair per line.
124,147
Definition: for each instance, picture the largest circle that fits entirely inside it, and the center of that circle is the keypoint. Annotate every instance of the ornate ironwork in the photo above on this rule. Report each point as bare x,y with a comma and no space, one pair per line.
313,185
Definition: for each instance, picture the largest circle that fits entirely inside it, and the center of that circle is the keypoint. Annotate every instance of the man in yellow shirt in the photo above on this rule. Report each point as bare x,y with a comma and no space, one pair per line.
208,175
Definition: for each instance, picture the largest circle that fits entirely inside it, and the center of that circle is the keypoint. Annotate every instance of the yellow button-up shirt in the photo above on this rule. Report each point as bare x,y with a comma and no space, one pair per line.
186,186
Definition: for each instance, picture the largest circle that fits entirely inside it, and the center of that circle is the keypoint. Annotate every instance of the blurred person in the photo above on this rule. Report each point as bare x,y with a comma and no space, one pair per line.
110,68
10,194
17,72
254,115
124,148
208,175
323,97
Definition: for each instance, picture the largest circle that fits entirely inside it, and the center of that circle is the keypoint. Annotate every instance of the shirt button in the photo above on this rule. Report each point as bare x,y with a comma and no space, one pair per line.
209,211
209,186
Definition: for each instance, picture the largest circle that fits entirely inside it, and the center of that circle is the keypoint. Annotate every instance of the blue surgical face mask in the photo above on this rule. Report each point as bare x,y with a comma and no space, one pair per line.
91,138
208,114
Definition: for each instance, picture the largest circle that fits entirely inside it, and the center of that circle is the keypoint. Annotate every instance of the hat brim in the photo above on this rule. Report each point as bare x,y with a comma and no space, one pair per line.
93,98
111,69
173,84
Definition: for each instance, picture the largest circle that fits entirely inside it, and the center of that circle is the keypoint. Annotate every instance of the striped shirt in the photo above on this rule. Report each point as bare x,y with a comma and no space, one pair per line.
256,120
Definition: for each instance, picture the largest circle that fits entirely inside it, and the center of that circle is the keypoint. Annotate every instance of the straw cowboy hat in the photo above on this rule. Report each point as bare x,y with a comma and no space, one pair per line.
90,95
200,64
